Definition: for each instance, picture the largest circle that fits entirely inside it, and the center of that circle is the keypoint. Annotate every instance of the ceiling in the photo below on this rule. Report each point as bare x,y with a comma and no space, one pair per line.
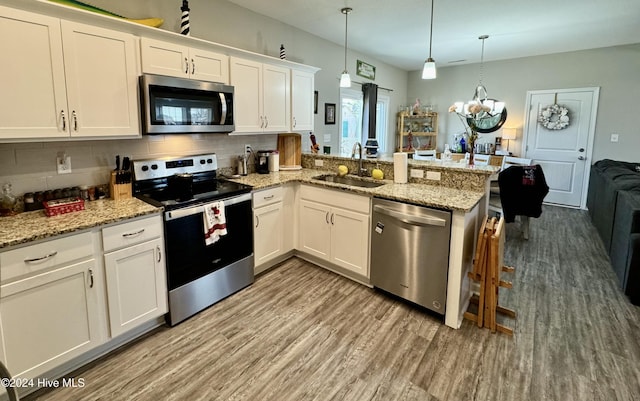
397,32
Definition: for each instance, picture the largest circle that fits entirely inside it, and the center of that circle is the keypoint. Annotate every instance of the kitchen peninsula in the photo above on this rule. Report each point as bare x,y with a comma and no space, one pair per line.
461,189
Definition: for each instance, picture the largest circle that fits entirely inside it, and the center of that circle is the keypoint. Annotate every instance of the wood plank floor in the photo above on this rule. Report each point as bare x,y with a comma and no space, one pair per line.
303,333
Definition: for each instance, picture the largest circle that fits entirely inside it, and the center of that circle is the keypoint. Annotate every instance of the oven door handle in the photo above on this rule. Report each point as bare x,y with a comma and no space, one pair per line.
179,213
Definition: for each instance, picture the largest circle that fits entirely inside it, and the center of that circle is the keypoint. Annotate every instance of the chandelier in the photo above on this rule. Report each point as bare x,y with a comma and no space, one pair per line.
482,113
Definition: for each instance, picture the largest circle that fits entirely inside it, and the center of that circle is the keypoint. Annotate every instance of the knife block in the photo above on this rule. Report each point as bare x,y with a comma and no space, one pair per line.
119,191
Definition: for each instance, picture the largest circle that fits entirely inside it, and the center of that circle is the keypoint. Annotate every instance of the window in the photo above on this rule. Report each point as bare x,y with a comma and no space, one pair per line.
351,119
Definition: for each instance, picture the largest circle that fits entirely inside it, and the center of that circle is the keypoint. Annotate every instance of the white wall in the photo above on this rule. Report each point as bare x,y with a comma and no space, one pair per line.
31,166
613,69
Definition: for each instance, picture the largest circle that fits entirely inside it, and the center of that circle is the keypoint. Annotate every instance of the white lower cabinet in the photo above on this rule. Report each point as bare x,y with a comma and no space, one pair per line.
135,275
268,227
54,314
334,226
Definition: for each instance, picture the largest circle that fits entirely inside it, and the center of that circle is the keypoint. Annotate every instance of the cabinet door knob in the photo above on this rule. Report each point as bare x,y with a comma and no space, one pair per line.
90,278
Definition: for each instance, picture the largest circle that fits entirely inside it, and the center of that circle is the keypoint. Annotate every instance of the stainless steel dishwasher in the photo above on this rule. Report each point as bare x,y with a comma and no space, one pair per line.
410,252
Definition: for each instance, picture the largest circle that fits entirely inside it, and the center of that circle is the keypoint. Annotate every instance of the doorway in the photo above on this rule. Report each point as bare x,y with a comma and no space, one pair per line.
564,154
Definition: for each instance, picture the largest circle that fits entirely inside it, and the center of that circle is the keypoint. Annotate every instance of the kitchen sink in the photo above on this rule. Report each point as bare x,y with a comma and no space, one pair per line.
351,180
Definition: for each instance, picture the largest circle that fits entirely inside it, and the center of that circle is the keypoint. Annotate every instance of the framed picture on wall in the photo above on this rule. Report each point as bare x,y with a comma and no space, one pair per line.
329,113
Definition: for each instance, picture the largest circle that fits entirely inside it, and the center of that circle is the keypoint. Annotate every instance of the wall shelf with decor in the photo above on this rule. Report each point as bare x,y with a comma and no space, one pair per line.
417,131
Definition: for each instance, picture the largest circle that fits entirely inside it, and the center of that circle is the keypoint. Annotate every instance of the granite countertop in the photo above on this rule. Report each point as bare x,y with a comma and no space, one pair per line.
31,226
421,194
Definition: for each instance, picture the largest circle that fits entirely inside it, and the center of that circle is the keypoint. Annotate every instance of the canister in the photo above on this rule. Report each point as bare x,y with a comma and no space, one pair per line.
274,161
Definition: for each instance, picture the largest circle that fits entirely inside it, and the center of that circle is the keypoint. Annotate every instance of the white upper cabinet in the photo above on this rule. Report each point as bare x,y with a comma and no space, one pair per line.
66,79
262,96
102,81
164,58
33,74
302,102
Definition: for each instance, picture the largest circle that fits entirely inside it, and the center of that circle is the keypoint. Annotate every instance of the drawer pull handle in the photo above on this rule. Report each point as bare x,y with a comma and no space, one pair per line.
159,254
186,65
75,120
127,235
40,259
90,278
332,214
64,120
268,197
193,67
257,221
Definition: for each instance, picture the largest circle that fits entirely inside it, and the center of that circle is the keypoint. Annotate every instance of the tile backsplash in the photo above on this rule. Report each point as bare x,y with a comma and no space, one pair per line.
31,166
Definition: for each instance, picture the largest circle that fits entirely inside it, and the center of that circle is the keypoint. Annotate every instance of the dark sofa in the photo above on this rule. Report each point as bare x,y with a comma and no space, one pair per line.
613,201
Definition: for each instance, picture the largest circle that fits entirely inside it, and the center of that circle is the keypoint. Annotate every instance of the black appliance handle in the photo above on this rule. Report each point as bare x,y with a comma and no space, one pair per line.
179,213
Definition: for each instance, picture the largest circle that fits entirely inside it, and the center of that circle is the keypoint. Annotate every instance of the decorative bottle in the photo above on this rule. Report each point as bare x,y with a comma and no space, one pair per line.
447,153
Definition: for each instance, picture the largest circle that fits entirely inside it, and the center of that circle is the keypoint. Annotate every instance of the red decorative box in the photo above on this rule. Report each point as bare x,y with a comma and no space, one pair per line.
62,206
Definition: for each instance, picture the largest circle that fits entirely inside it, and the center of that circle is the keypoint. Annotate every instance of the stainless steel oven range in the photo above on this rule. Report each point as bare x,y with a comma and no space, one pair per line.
198,274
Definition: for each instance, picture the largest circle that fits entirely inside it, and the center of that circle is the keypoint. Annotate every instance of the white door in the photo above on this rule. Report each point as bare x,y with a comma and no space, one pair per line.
246,77
102,81
277,100
136,285
315,237
34,101
268,233
302,101
564,154
350,240
50,318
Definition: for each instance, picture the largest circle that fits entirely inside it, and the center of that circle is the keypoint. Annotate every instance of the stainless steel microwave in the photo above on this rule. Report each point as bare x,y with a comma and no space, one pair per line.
185,106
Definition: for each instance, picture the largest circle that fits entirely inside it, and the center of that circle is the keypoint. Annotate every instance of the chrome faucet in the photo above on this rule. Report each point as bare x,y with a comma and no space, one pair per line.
361,171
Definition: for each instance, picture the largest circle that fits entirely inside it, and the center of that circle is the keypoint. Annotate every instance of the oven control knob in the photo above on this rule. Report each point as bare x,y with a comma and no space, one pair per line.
145,168
209,161
202,161
154,167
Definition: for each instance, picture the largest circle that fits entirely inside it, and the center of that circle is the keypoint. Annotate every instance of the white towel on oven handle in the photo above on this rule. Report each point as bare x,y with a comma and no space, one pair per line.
215,223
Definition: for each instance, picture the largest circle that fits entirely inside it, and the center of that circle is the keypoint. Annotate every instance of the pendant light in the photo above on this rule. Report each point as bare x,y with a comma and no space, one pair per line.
345,79
429,70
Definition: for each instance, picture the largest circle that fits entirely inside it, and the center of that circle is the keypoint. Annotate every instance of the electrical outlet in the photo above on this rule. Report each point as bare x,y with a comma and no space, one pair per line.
614,137
64,164
247,149
433,175
417,173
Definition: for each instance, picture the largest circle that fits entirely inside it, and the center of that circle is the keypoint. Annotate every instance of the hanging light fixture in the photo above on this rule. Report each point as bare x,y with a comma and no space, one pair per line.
487,115
429,69
345,79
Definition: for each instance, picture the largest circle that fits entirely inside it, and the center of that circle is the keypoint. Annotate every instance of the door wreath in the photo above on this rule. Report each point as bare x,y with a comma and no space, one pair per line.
554,117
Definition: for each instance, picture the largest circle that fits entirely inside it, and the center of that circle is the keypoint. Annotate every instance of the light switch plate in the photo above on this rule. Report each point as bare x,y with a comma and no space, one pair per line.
417,173
327,138
319,162
433,175
614,137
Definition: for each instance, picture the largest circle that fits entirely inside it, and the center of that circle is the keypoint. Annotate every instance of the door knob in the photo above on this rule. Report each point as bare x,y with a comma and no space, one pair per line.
581,150
580,157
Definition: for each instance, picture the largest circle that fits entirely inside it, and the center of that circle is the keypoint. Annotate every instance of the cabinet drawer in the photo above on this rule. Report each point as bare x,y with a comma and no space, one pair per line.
342,199
267,197
131,233
38,257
